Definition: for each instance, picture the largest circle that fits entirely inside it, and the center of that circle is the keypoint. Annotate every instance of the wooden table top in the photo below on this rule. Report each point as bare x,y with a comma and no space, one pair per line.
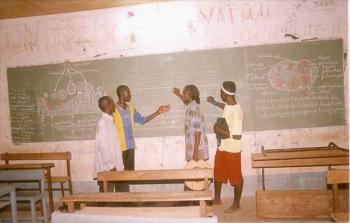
23,166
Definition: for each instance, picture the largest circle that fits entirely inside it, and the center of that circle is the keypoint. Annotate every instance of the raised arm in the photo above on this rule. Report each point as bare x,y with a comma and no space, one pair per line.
177,92
211,100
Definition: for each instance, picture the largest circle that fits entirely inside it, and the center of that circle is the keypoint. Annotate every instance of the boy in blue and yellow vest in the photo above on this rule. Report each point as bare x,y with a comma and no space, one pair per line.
125,117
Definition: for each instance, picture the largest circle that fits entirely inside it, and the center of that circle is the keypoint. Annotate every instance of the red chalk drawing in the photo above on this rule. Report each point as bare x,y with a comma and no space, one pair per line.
130,14
70,87
291,76
248,11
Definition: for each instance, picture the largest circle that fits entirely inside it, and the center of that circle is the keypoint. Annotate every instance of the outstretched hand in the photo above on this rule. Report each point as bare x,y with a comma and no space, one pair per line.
160,110
210,99
176,91
163,108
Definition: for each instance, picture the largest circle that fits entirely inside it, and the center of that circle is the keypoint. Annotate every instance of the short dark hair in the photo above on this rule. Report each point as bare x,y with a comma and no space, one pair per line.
121,89
229,86
194,92
102,102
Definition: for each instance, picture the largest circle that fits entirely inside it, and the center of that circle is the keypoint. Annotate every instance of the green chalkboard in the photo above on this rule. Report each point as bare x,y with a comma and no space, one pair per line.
281,86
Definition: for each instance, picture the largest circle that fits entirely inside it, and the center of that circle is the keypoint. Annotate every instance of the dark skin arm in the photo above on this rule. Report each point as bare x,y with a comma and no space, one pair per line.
223,133
151,116
177,92
211,100
197,139
161,109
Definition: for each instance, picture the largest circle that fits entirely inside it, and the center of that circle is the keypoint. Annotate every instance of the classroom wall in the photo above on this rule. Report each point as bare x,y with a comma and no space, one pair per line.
170,27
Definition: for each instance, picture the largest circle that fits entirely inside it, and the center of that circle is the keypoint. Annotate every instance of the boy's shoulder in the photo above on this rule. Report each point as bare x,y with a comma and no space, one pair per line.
233,107
238,107
233,110
194,110
130,107
101,121
193,106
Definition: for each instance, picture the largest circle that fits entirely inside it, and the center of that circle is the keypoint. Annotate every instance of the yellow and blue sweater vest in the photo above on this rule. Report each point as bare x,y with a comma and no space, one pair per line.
119,125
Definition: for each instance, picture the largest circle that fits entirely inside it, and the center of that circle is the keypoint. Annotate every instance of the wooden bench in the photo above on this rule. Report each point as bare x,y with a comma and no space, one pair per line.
335,177
7,157
149,176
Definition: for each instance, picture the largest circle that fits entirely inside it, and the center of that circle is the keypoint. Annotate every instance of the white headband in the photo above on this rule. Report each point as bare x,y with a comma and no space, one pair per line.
226,91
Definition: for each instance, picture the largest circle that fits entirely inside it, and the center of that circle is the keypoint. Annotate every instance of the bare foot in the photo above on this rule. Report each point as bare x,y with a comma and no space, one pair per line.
232,209
217,201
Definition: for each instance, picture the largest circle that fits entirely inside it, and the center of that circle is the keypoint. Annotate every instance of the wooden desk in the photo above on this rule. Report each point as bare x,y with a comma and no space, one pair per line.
306,204
30,166
330,155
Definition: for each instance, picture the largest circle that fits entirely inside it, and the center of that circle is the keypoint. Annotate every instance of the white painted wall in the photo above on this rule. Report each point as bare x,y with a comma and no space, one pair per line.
170,27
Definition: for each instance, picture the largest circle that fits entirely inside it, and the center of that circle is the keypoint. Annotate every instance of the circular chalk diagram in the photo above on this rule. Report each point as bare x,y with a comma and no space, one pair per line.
71,87
291,76
61,94
84,86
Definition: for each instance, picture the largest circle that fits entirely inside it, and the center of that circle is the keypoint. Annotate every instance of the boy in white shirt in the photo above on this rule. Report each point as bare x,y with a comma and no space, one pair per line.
108,155
228,155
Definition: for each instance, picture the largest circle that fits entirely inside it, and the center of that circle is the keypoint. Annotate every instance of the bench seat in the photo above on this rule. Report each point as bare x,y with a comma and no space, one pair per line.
201,196
139,196
59,179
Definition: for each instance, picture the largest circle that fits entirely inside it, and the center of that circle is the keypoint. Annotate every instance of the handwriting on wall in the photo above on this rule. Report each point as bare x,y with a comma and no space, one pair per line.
19,38
132,28
321,4
296,22
235,13
70,34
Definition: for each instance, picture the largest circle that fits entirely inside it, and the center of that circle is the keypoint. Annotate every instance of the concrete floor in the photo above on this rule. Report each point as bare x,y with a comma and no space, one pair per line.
247,212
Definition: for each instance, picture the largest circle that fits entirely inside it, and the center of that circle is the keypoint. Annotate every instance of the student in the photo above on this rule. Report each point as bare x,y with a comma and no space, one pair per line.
195,135
108,156
228,155
125,117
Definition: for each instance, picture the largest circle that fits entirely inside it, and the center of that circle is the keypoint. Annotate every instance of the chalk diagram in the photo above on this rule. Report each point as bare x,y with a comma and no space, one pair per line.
292,76
71,93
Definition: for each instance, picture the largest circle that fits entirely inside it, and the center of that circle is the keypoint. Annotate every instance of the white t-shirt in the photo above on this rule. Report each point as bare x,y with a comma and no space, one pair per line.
234,118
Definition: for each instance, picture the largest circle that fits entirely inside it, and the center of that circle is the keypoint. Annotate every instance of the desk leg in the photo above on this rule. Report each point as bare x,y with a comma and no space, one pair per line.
203,208
13,206
49,187
263,178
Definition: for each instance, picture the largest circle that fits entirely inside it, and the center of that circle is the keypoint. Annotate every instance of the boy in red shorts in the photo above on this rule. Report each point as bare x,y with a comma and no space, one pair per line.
228,155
